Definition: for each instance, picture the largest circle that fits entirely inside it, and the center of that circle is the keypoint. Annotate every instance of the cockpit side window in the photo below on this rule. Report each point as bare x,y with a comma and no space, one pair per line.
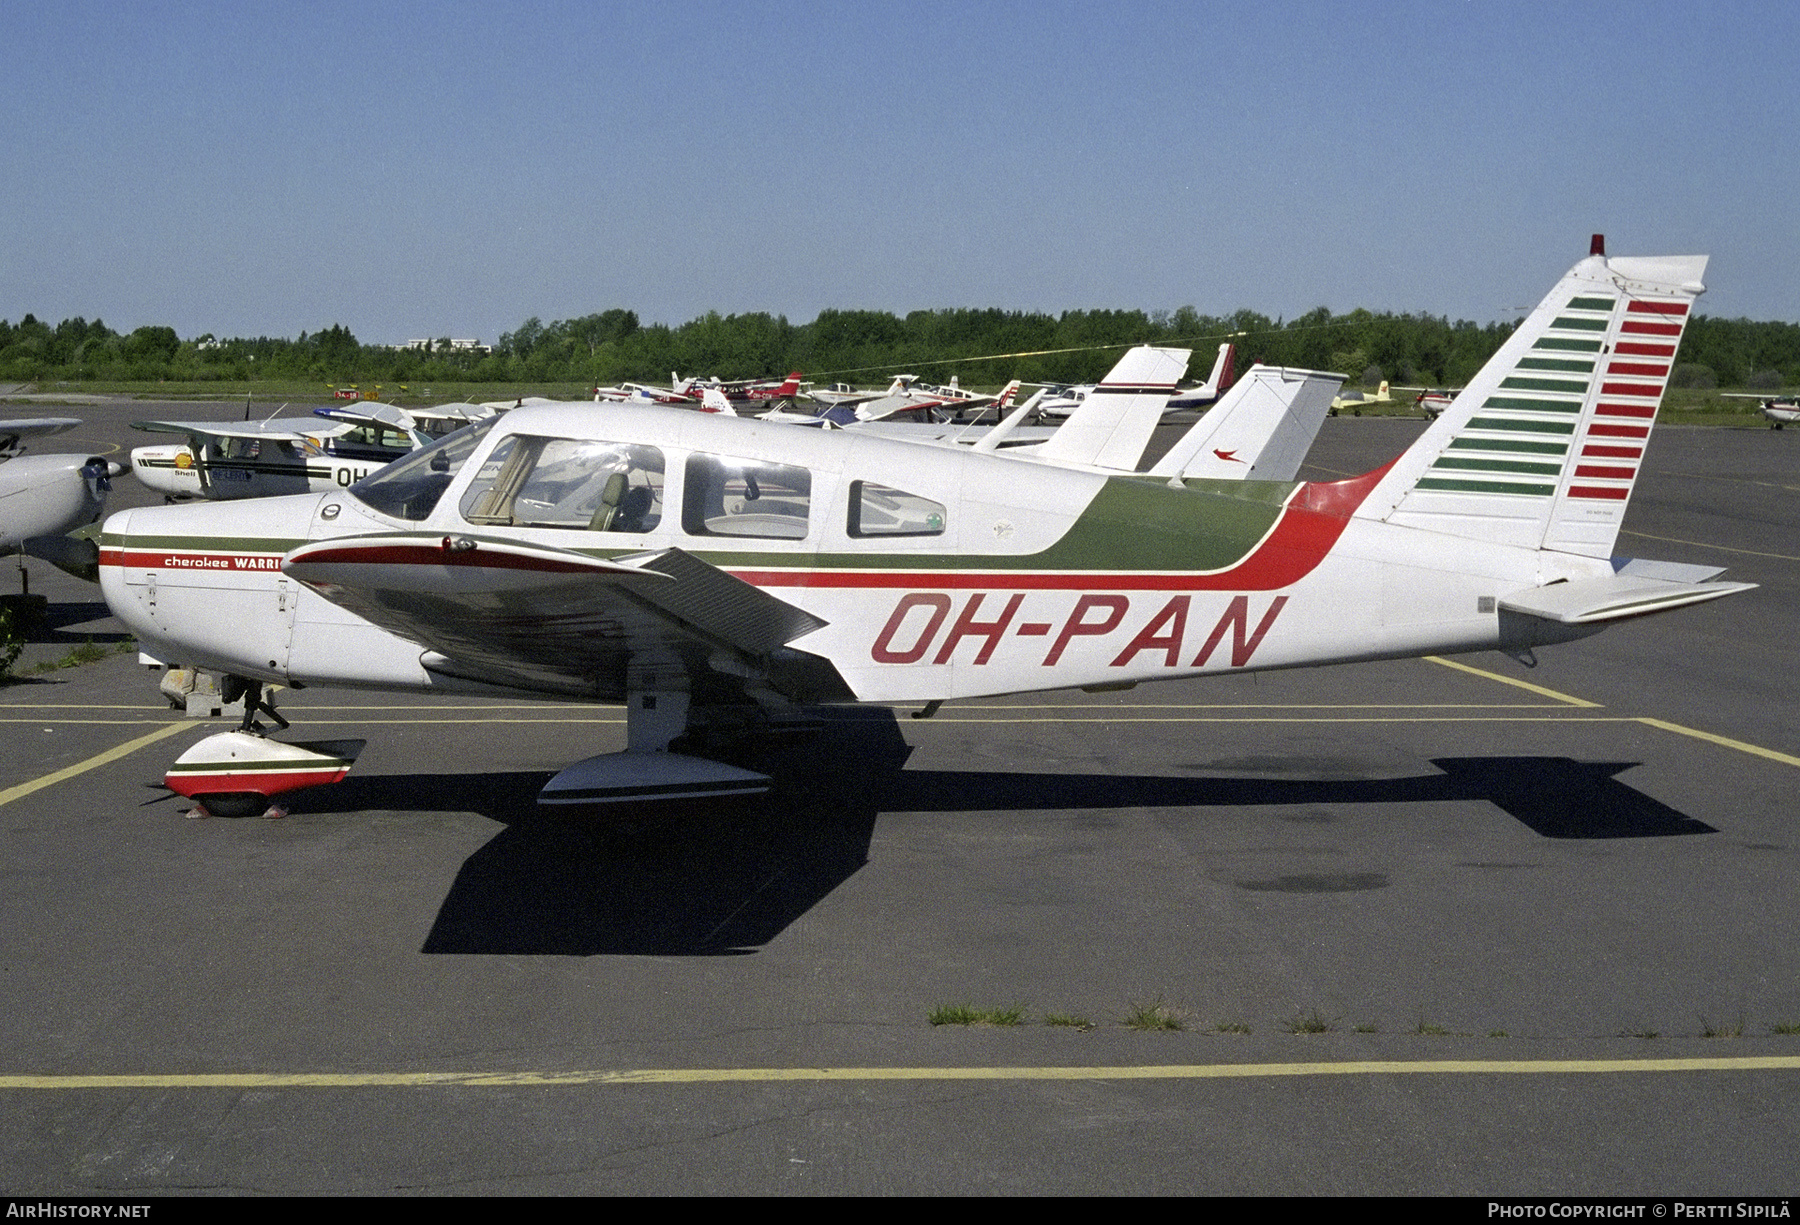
409,488
882,510
726,496
577,484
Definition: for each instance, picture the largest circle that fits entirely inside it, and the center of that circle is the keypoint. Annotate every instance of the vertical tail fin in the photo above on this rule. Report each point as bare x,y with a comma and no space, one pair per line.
1543,446
1113,425
1260,430
1224,371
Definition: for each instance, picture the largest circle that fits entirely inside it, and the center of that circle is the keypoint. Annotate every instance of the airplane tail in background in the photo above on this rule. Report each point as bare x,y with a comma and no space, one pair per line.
1259,430
790,387
1224,371
1543,447
1217,383
1111,428
712,400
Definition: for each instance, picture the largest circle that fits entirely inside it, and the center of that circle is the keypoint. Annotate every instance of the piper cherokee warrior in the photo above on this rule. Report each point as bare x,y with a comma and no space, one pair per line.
715,574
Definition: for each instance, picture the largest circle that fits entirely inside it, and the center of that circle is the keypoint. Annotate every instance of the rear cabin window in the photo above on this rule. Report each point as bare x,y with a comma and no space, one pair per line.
881,510
577,484
724,496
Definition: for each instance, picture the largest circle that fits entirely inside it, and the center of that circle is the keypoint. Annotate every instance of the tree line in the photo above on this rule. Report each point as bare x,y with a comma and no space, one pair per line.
980,347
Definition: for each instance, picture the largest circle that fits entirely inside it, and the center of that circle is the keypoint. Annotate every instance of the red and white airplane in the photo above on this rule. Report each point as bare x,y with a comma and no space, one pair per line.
716,574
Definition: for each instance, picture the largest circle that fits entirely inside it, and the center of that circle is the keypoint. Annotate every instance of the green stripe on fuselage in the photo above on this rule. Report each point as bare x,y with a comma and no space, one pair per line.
1132,524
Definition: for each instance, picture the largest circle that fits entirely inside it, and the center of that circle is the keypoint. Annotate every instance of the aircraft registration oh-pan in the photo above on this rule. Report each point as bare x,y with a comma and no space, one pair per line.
717,574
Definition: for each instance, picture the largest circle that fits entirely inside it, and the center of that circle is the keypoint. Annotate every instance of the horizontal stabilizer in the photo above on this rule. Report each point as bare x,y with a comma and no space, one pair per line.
1615,598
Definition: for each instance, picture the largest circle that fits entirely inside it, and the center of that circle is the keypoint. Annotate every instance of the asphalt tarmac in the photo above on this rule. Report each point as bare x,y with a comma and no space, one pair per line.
1425,927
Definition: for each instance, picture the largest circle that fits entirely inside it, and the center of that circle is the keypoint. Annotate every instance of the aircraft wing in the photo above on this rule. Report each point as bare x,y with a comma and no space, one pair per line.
368,412
12,432
556,620
290,429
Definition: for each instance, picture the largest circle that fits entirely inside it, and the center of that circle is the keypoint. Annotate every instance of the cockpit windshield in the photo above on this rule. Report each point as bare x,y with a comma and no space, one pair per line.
409,488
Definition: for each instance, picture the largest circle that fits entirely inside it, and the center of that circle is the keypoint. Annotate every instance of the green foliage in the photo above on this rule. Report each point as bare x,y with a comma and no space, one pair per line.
1313,1022
1154,1016
982,347
11,642
968,1014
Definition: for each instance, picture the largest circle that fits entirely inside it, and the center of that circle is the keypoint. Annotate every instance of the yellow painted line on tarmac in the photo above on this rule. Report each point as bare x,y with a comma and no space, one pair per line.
1702,544
82,767
1509,680
1740,745
679,1076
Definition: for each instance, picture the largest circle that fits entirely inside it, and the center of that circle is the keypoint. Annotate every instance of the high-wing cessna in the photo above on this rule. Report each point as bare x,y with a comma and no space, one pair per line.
44,497
224,460
715,574
1777,411
1064,400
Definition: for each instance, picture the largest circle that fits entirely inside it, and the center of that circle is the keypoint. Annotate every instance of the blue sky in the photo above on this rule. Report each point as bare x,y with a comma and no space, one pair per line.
450,168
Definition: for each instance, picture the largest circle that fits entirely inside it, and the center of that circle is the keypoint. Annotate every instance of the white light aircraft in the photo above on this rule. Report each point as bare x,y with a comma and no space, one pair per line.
45,497
1224,372
1777,411
716,574
1355,401
335,448
1063,401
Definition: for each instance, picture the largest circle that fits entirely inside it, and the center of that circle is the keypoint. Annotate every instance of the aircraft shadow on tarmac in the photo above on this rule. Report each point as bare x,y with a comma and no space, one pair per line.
725,878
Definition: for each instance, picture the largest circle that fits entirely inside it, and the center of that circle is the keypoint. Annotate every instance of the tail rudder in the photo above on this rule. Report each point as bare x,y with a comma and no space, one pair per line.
1224,371
1543,447
1259,430
1112,426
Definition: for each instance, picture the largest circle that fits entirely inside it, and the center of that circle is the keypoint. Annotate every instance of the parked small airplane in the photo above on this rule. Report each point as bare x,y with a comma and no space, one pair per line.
1354,402
1778,411
1063,400
335,448
715,574
1217,383
45,497
1432,401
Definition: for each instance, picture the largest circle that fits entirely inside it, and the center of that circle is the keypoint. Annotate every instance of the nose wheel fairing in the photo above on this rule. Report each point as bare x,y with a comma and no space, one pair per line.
242,764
